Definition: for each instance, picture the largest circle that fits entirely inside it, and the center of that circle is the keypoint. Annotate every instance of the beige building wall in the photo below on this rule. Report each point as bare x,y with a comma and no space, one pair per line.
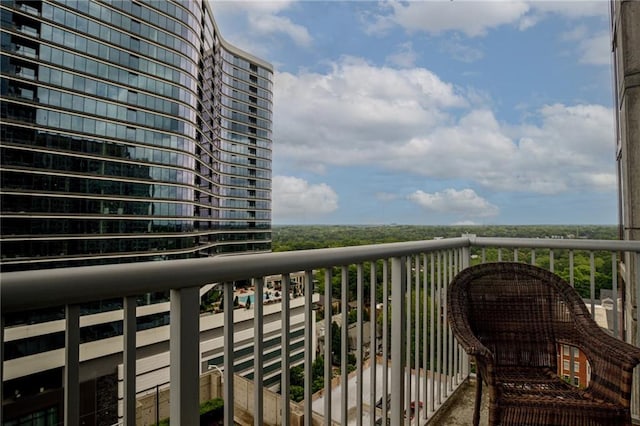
625,30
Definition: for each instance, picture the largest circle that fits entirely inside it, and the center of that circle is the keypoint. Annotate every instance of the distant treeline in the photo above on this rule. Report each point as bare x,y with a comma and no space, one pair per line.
299,237
302,237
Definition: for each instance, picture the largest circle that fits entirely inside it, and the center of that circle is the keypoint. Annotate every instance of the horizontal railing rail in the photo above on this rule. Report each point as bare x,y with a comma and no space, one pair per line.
55,287
418,356
26,290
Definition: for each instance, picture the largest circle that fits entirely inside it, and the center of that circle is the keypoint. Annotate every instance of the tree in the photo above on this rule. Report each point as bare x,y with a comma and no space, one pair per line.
317,374
296,393
296,375
336,342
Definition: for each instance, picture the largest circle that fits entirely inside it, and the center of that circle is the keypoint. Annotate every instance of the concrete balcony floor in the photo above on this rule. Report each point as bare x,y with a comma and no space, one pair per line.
458,410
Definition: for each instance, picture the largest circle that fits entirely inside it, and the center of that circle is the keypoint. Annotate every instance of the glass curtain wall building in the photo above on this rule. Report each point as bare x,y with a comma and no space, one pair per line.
130,132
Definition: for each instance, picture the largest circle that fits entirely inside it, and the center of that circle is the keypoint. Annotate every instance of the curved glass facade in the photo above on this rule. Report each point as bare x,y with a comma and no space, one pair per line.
130,131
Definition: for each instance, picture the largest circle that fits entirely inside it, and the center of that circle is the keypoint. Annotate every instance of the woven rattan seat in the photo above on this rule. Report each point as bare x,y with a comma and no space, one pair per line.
511,317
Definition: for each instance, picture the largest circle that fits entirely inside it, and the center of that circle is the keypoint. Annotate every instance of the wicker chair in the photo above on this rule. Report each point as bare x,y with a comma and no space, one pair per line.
511,317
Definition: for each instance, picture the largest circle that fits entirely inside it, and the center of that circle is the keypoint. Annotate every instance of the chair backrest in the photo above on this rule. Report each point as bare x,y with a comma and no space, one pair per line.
516,310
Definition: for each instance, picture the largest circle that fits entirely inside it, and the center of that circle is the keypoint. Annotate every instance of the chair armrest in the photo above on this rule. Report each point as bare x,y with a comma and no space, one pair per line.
612,363
601,344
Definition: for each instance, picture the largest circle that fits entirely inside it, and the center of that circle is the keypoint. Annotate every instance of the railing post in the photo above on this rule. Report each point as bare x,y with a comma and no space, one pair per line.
398,284
425,337
432,335
258,345
466,251
417,339
344,343
308,350
385,341
409,335
72,366
228,373
373,345
285,338
360,343
328,354
184,348
129,360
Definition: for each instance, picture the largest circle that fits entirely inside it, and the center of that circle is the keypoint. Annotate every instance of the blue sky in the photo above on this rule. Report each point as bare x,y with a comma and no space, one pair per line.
436,112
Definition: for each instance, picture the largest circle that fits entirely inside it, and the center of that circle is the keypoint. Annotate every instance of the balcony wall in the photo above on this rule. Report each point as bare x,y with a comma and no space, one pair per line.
407,282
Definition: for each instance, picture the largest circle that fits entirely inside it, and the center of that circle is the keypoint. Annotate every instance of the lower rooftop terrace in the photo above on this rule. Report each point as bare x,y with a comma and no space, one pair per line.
393,294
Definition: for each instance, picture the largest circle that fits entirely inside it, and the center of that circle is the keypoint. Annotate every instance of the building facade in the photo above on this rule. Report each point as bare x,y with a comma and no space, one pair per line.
131,131
625,43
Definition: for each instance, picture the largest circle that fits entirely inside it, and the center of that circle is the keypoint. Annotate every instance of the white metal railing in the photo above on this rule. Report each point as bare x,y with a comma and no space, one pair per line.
413,277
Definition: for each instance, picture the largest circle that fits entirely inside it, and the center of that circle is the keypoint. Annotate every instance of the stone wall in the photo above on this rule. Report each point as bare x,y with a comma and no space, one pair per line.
211,387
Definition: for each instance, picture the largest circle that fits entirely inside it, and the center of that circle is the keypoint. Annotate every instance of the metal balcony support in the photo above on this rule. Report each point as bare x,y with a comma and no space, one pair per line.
373,345
437,354
408,333
385,341
308,350
72,366
129,360
184,348
446,347
228,379
425,341
398,312
432,335
417,336
286,362
258,349
437,306
360,343
344,344
328,358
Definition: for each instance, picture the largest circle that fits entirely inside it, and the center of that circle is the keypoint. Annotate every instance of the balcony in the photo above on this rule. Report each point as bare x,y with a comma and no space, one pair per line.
393,293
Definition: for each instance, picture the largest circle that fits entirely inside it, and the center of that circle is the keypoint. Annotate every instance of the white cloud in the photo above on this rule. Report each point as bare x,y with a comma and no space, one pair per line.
572,8
596,50
465,203
272,24
355,109
471,18
592,49
411,121
476,18
405,57
462,52
265,20
295,198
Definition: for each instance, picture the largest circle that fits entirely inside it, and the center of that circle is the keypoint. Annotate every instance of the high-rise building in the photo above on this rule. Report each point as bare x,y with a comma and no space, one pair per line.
131,131
625,38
